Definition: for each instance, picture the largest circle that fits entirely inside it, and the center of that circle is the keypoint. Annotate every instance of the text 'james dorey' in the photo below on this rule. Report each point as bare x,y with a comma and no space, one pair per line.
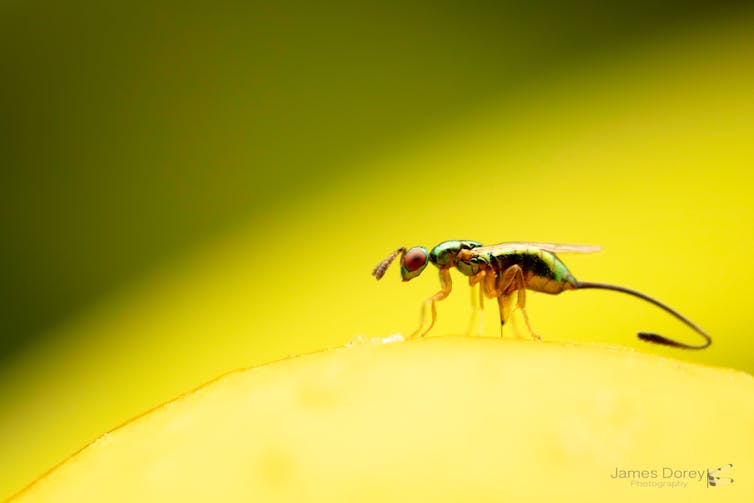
667,476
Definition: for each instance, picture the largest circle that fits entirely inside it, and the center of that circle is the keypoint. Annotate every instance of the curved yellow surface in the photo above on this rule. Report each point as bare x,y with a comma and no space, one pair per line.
438,419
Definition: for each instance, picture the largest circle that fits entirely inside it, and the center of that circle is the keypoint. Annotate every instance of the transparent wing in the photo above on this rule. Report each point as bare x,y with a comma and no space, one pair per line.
551,247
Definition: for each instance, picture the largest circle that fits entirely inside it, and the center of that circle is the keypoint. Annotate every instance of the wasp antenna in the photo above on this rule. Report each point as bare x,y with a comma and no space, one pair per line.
379,270
648,336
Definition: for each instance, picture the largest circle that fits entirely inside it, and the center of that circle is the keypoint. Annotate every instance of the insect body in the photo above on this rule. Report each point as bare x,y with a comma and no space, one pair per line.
511,268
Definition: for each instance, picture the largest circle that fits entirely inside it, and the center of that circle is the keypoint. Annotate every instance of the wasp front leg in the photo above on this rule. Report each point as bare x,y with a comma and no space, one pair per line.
445,287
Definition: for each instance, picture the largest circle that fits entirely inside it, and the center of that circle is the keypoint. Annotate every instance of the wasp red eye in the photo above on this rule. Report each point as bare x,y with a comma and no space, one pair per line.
414,259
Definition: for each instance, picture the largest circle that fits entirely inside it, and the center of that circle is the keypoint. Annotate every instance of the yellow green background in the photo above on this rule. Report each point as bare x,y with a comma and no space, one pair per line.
192,187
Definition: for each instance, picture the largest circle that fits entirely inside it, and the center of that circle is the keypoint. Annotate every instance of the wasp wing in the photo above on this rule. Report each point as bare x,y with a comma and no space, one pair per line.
551,247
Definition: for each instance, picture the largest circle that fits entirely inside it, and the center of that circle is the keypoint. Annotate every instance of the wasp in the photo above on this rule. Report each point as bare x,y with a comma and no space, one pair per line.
505,269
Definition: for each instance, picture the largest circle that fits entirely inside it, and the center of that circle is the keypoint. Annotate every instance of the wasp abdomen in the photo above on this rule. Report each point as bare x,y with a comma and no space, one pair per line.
543,271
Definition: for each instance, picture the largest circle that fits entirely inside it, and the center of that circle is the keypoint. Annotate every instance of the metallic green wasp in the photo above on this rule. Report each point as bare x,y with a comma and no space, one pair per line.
507,268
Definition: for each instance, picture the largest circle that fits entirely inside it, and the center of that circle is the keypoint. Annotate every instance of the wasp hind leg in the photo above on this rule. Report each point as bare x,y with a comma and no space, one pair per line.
493,288
446,285
513,281
504,306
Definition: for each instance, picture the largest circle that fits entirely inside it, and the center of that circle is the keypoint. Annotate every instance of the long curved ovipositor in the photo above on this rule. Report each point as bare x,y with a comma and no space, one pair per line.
507,268
648,336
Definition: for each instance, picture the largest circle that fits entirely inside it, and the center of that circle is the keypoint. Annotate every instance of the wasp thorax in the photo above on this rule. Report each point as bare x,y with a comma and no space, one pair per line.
468,266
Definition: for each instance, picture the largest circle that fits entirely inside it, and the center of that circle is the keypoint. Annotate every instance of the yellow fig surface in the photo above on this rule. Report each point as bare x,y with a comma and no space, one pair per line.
437,419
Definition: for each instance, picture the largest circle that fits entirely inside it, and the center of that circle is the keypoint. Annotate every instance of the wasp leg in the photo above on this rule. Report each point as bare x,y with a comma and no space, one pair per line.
496,289
490,284
504,306
513,281
476,307
446,285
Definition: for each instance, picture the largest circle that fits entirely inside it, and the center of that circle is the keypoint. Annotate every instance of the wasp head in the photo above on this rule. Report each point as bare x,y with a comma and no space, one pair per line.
413,262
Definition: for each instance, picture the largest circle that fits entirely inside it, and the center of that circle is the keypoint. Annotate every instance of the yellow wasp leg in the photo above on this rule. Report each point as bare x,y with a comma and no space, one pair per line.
513,281
490,289
496,289
504,305
476,307
446,285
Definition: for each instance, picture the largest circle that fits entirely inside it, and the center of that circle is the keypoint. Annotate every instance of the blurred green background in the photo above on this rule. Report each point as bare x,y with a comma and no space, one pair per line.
192,187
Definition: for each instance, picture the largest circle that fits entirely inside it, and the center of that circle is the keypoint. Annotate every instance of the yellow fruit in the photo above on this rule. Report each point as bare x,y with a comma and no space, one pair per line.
439,419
